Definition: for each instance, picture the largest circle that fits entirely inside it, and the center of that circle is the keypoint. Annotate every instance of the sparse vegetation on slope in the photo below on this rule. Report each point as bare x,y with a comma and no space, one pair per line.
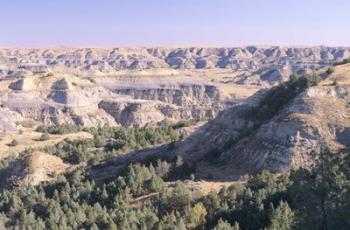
343,62
279,96
59,129
109,142
271,103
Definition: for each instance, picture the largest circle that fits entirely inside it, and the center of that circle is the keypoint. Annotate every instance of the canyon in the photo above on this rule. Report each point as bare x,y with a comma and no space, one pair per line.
137,87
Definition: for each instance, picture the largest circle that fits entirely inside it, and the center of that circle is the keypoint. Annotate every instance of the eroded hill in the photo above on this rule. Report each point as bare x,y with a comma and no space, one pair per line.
33,169
136,87
243,141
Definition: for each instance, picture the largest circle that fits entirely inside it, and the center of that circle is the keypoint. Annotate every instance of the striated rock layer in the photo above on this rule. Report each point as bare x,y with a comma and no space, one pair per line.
234,145
109,59
137,87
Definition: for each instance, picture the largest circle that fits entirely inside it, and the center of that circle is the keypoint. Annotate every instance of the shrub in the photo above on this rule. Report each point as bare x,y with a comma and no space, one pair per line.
44,137
280,95
330,71
343,62
14,142
59,129
335,82
183,123
49,74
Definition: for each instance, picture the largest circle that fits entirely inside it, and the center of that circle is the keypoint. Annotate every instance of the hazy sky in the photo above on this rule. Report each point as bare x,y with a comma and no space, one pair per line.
174,22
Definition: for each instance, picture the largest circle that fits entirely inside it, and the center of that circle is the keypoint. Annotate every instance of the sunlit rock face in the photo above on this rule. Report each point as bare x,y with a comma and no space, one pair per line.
136,87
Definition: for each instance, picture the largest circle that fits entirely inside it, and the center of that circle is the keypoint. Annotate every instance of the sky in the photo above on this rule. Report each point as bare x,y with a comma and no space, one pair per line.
96,23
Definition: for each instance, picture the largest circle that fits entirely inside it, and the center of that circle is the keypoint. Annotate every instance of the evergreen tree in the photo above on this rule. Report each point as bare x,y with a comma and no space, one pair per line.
224,225
197,215
282,218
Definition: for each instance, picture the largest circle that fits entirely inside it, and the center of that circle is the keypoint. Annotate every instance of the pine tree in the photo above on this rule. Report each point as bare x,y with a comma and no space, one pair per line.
111,225
224,225
44,137
180,195
282,218
181,224
197,215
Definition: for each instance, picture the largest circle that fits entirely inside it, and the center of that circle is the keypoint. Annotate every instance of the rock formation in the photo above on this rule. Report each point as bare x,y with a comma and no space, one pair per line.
144,86
234,145
33,169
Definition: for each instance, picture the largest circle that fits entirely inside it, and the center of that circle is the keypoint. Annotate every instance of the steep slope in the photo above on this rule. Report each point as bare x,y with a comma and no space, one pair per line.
236,143
63,98
33,169
136,87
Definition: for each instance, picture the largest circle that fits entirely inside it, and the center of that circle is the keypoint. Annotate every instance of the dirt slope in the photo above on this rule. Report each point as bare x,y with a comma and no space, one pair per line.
33,169
318,116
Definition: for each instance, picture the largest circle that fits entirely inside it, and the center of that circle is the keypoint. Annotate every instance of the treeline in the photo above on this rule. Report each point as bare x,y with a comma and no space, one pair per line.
60,129
317,198
269,105
343,62
277,97
109,142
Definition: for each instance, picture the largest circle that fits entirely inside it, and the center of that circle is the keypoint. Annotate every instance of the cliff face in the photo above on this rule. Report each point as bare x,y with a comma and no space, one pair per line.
143,86
108,59
233,145
96,102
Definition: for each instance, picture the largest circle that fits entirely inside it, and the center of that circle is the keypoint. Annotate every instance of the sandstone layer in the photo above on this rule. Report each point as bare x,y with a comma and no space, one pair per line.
136,87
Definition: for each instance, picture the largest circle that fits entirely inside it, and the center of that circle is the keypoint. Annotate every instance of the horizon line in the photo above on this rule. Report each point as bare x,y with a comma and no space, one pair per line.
169,46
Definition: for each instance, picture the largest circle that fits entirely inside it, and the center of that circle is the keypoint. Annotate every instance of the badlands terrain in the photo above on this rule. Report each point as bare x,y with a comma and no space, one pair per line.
152,138
136,87
144,87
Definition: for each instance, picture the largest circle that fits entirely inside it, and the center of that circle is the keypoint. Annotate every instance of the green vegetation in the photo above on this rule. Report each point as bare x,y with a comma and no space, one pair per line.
184,123
108,142
271,104
343,62
335,82
44,137
49,74
139,199
330,71
13,143
282,94
59,129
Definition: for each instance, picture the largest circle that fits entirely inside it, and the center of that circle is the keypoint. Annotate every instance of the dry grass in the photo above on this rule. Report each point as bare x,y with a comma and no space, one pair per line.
35,168
29,139
341,74
38,160
239,91
203,187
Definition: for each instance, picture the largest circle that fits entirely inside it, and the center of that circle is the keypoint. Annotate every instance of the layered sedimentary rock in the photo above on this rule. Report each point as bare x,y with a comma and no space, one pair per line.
251,57
144,86
250,60
234,144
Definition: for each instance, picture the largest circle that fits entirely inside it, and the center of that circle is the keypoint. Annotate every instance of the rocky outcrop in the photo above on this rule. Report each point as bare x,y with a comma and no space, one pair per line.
34,67
234,144
184,95
23,84
135,113
251,59
109,101
145,86
33,169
